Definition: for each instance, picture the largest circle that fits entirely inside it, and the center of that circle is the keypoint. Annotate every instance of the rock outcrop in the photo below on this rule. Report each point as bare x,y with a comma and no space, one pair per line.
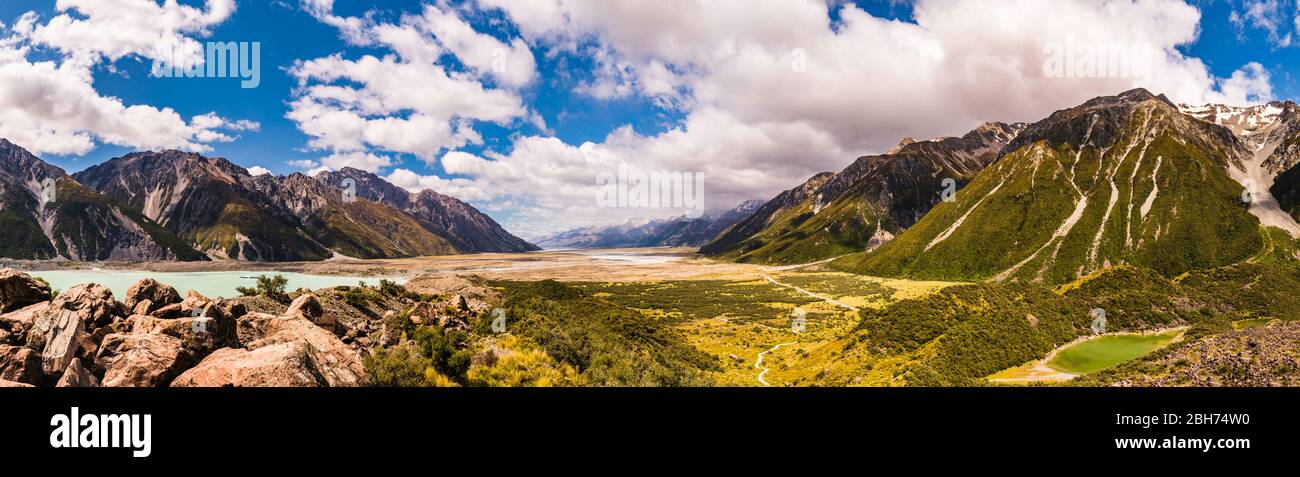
280,365
337,363
20,364
141,359
148,290
77,376
18,290
86,338
66,329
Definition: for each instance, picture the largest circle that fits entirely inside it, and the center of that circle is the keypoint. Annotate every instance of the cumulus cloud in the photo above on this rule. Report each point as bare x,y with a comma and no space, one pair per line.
357,160
408,101
112,29
51,105
258,171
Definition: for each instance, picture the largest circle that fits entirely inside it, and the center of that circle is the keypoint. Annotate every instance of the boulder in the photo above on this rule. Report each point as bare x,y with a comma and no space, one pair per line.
174,310
60,331
143,307
25,315
424,313
279,365
337,363
306,305
14,325
388,336
19,363
141,359
459,303
194,300
63,335
18,289
200,335
157,294
77,376
4,383
94,302
452,322
233,309
309,307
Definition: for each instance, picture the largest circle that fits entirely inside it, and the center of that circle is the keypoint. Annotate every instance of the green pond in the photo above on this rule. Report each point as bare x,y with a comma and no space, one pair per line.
1106,351
210,284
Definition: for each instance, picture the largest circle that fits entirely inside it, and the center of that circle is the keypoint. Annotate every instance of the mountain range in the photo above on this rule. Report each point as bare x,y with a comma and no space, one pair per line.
1125,179
680,231
864,205
174,205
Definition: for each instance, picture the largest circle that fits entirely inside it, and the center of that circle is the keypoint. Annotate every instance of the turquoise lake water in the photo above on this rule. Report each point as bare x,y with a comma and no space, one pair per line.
210,284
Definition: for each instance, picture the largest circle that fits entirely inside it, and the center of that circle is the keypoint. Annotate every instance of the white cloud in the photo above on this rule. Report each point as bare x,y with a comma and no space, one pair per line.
112,29
1271,16
51,105
408,101
258,171
357,160
463,189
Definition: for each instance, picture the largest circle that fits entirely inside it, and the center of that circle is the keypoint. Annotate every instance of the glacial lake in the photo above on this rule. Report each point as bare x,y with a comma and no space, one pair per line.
210,284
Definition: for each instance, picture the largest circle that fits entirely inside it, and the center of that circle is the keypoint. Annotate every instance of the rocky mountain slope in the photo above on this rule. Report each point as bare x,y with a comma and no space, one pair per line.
211,203
866,204
1120,179
1271,132
458,223
676,232
227,213
70,221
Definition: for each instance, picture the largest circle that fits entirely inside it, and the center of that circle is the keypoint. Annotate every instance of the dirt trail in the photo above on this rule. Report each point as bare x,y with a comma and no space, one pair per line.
759,363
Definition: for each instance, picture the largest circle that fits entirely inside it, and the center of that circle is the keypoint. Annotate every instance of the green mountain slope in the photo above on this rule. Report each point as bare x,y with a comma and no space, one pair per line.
864,205
1125,179
964,333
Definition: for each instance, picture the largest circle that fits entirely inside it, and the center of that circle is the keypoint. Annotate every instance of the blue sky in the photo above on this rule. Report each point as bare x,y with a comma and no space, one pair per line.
672,127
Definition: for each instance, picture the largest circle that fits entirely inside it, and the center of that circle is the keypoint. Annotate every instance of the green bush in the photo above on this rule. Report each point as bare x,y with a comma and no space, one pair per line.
270,286
401,366
357,297
609,344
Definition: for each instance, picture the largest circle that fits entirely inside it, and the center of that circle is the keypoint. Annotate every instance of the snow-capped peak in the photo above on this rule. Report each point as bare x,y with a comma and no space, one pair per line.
1243,121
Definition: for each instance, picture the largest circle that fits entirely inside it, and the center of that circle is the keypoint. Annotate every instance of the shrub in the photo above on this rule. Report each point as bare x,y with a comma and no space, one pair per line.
270,286
448,352
522,363
397,290
402,366
54,293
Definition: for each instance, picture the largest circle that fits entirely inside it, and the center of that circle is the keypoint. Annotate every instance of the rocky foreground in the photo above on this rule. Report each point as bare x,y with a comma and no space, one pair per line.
84,336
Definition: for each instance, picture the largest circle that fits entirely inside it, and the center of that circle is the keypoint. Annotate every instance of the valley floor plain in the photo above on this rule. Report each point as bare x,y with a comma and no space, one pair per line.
753,325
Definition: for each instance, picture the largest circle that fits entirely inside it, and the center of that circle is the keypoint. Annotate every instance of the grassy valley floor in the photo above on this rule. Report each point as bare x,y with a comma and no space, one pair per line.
668,317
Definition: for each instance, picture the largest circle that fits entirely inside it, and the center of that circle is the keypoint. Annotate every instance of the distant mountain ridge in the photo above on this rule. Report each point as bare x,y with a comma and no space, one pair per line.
675,232
174,205
864,205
